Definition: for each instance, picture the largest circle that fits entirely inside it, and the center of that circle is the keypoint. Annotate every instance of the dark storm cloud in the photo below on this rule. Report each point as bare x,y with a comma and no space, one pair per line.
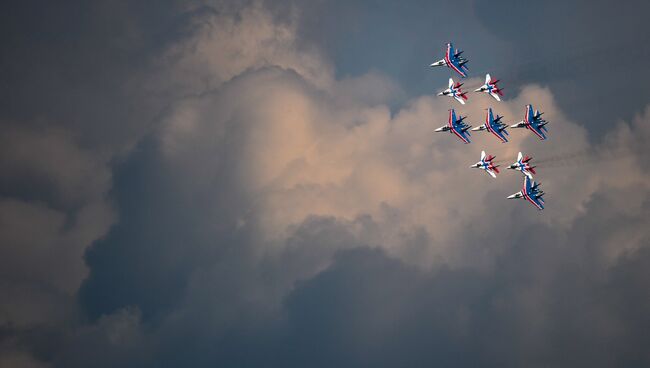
269,214
74,64
592,54
207,298
547,301
370,310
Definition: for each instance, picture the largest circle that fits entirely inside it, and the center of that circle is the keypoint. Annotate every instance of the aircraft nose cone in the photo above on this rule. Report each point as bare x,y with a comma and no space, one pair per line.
478,90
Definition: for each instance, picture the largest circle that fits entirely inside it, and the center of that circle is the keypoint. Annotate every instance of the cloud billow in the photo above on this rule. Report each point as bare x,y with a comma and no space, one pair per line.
274,214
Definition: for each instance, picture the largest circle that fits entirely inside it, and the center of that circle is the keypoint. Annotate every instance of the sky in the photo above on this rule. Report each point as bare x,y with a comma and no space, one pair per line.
193,183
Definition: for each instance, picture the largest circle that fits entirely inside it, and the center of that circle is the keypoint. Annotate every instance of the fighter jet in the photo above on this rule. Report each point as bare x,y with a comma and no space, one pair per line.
453,60
530,191
494,126
454,91
533,122
490,87
456,126
523,165
487,165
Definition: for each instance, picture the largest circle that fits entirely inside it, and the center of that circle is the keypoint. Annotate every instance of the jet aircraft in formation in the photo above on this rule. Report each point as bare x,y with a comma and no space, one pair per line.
456,126
486,164
454,61
455,92
490,87
523,164
531,192
494,126
533,121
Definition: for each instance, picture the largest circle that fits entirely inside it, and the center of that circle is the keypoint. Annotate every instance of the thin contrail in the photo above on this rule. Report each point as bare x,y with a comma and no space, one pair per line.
583,157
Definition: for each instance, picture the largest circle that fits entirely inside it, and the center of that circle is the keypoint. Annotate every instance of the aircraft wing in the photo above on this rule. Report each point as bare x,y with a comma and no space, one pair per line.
450,50
495,128
499,134
456,128
453,61
491,172
529,114
537,129
537,202
495,95
455,64
531,195
463,135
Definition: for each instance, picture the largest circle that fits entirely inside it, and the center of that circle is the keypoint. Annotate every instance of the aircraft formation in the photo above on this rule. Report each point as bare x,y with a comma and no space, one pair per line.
530,190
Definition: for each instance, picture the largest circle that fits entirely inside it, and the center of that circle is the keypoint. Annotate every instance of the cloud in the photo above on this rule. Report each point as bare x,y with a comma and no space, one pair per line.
51,210
278,209
225,39
289,174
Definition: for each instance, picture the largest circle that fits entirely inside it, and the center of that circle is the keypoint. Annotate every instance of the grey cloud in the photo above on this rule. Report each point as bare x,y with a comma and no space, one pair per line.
270,213
587,52
591,54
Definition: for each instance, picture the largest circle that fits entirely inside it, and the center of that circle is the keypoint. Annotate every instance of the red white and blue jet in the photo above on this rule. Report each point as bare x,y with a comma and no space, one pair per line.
533,122
453,60
487,165
455,91
490,87
456,126
494,126
531,192
523,165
